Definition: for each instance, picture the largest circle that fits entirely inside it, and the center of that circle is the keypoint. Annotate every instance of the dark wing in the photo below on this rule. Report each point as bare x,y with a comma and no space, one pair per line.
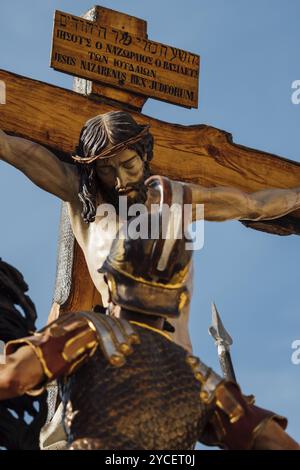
20,418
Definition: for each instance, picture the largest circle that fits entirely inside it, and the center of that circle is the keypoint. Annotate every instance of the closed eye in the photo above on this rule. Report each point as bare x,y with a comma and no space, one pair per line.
129,163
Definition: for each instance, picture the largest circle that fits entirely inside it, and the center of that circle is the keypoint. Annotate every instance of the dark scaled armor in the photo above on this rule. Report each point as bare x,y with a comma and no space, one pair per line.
151,402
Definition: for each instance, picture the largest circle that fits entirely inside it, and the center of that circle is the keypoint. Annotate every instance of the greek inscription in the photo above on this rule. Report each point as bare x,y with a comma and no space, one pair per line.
75,38
180,69
120,52
134,68
98,57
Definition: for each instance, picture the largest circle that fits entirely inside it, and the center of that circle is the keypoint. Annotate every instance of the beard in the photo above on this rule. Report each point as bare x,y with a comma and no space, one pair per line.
111,195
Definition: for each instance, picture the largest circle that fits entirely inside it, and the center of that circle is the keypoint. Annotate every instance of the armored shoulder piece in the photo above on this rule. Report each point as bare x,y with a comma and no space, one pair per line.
235,421
115,336
67,342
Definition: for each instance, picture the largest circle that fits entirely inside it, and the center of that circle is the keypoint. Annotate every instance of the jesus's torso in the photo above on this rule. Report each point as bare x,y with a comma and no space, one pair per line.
95,240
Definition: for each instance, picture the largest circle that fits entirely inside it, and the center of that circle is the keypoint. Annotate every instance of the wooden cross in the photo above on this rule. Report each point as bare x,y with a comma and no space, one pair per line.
201,154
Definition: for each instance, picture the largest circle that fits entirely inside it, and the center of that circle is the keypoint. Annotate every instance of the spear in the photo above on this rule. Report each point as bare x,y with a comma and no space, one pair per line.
223,342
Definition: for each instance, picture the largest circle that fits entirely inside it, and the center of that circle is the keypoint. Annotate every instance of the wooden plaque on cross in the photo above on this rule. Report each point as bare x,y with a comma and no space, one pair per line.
103,53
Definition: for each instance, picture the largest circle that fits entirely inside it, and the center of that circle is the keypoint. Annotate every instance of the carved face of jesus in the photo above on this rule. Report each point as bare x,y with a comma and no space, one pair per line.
122,175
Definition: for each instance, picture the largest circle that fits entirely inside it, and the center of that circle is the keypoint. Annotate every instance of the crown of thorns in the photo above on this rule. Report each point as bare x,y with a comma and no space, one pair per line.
115,149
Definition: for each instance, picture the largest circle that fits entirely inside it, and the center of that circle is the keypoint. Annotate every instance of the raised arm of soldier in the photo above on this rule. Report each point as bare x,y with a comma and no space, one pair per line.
222,203
41,166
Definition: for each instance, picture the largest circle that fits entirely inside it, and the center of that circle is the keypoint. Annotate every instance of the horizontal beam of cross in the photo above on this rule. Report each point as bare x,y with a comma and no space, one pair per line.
53,117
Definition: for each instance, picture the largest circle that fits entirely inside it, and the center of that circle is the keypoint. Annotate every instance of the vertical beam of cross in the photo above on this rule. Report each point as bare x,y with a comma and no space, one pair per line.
74,289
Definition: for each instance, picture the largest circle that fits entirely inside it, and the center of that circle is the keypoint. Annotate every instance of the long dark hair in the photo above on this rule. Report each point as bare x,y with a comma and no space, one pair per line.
109,128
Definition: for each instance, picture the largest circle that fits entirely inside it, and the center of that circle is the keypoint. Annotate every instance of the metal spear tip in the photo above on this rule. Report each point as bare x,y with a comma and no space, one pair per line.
217,329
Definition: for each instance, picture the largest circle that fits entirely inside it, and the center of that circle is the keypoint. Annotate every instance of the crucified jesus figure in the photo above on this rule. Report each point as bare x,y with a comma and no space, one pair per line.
111,160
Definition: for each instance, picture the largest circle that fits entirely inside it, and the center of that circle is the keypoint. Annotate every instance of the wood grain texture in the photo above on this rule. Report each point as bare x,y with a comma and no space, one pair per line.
84,295
122,21
128,101
201,154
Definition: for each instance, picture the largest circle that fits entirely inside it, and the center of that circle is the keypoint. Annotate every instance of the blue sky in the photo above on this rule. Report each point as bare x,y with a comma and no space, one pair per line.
249,58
